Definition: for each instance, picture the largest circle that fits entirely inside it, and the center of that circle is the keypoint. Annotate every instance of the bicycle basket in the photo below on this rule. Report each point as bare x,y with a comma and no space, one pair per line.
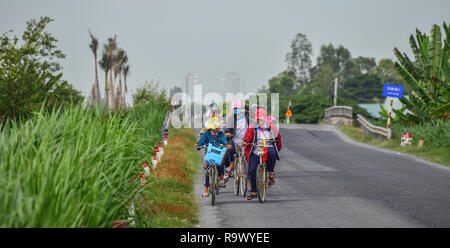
214,155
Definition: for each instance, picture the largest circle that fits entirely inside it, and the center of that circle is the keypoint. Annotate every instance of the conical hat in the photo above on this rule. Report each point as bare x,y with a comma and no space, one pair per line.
213,123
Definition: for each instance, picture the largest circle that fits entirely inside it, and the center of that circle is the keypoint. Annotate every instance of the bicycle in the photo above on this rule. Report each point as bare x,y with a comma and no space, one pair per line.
262,175
212,158
240,172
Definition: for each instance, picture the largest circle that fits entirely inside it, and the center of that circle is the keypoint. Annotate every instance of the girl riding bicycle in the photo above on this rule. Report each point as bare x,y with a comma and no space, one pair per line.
213,136
259,133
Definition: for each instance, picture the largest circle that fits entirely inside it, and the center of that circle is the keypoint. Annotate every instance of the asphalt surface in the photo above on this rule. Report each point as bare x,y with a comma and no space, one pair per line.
326,180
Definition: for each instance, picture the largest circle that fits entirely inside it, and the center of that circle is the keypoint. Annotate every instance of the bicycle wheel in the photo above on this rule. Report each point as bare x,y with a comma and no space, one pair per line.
242,177
212,185
237,178
261,183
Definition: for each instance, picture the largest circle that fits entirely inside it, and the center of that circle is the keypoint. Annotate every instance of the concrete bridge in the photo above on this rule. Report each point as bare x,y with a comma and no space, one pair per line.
339,115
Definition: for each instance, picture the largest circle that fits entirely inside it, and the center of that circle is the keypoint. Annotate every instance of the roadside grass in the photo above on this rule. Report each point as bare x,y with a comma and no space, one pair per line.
168,200
440,155
74,168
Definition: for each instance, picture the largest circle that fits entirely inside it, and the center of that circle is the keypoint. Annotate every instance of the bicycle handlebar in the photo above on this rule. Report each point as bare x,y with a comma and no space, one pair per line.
253,144
198,148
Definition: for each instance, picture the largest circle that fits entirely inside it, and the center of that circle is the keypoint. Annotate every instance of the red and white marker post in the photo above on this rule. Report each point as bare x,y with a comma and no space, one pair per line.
161,148
158,153
142,179
389,115
154,161
146,168
165,140
406,139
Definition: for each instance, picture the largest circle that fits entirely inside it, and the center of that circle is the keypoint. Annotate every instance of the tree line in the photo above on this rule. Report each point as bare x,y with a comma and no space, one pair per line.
311,88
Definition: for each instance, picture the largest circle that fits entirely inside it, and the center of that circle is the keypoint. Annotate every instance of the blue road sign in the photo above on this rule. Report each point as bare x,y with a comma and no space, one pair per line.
393,90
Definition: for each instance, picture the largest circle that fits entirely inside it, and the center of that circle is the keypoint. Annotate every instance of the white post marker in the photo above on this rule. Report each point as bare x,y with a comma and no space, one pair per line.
161,148
142,179
158,154
131,212
146,169
406,139
154,162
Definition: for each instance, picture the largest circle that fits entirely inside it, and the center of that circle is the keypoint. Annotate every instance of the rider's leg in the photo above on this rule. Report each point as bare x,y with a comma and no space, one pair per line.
231,153
254,161
221,172
271,159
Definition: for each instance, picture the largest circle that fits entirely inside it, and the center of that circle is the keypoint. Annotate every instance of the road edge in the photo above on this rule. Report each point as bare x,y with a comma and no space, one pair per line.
344,137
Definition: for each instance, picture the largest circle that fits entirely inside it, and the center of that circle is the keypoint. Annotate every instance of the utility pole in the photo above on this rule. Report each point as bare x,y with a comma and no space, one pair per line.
335,91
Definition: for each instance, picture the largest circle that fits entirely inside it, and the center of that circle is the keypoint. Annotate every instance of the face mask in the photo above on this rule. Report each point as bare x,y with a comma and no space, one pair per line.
237,111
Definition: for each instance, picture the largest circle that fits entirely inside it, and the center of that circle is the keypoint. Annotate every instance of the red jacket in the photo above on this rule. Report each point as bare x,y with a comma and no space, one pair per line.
250,137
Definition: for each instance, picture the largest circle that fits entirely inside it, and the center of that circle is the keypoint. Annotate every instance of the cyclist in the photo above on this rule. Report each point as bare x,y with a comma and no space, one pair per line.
236,127
259,134
213,136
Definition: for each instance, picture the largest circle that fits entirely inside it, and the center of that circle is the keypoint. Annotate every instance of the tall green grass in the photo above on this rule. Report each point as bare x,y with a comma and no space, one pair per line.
436,133
76,168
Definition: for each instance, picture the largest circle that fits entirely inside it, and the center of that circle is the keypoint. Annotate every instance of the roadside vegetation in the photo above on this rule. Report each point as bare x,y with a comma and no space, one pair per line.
65,163
77,168
168,199
427,114
436,147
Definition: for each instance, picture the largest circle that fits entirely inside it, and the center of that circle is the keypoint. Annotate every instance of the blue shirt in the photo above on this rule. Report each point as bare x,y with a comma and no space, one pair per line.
216,141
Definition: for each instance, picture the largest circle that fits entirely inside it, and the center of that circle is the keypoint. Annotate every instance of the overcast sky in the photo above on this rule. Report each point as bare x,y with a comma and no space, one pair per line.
167,39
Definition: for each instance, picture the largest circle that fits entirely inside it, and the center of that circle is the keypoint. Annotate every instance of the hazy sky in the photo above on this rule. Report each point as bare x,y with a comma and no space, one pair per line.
167,39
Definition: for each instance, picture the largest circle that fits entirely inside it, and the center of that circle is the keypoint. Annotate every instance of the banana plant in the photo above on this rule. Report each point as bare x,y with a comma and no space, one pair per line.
428,76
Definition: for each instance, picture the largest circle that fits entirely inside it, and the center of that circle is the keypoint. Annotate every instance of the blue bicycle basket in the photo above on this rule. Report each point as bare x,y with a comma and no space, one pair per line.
214,155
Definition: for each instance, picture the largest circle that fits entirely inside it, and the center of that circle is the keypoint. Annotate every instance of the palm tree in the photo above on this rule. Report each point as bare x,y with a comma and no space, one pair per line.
105,67
119,60
94,47
126,72
110,52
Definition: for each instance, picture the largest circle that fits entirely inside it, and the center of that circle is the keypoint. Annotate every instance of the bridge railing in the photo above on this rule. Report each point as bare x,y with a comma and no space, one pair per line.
339,111
338,115
373,130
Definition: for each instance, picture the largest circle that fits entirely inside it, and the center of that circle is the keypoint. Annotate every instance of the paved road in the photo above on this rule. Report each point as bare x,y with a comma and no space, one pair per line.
326,180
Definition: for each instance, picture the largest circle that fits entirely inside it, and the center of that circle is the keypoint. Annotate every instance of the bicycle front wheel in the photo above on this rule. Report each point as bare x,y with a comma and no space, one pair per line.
261,183
242,177
212,185
237,177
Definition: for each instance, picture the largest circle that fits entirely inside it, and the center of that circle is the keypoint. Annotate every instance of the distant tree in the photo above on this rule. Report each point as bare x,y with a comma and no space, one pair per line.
126,72
364,88
324,80
339,59
120,59
150,92
175,90
282,84
299,58
387,73
105,66
365,64
94,47
308,107
29,72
